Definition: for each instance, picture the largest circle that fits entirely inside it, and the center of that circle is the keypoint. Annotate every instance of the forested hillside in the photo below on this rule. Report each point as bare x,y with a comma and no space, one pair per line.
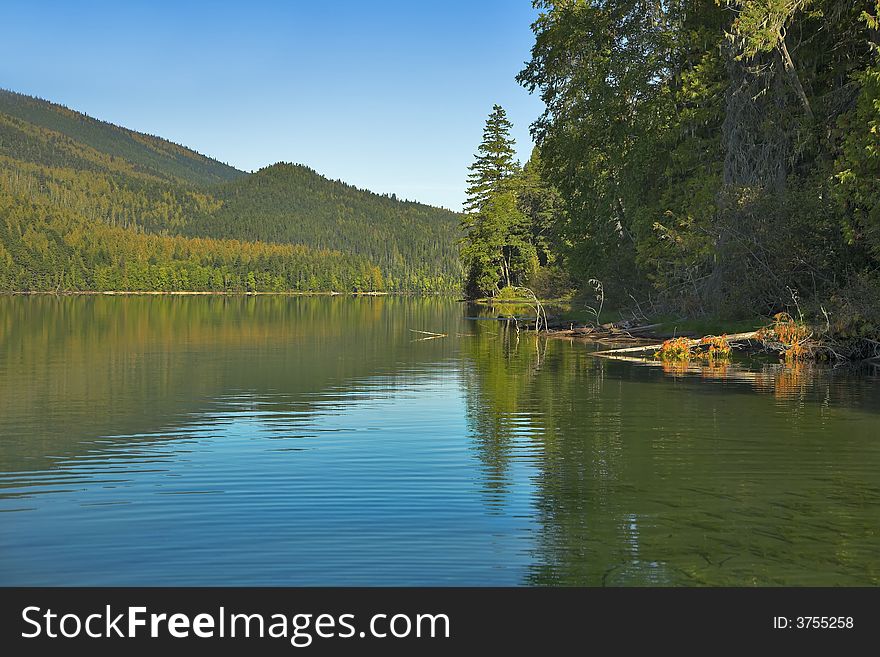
414,245
86,205
142,152
696,157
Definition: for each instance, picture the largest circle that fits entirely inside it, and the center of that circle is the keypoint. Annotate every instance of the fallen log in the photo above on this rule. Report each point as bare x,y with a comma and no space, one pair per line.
643,328
429,335
735,337
566,333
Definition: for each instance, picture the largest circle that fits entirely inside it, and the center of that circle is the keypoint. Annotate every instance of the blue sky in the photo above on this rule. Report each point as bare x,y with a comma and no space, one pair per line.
387,95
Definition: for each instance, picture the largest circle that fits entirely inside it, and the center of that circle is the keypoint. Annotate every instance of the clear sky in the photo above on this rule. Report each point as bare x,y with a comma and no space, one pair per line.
384,94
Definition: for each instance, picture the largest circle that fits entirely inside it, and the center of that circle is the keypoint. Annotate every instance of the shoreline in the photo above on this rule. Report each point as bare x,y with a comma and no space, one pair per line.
125,293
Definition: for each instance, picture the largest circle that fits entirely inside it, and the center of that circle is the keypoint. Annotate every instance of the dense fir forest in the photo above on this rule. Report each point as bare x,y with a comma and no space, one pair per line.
698,157
89,206
413,246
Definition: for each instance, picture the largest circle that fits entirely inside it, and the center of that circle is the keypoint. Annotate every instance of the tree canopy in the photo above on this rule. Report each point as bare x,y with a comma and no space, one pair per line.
505,214
706,156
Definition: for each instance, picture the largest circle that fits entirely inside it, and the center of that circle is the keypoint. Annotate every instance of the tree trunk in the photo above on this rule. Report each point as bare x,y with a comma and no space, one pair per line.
790,70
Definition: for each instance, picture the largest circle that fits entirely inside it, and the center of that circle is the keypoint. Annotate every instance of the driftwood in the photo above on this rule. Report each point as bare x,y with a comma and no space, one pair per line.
610,334
735,337
429,335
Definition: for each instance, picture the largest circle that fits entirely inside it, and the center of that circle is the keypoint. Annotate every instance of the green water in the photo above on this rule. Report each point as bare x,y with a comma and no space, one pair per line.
321,441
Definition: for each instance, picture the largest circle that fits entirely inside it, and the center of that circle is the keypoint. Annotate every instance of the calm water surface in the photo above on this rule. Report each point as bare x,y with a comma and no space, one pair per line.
320,441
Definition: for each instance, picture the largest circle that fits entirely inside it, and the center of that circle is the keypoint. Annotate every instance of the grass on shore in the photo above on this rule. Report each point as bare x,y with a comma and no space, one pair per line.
577,311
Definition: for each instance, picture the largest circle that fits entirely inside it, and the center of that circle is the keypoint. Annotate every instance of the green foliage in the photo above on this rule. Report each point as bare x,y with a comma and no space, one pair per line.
413,244
762,24
47,248
857,175
495,161
86,205
146,153
602,69
552,282
719,157
509,210
541,205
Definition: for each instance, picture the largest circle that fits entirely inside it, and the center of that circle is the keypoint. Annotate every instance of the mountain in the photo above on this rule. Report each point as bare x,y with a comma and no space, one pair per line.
291,203
145,153
87,205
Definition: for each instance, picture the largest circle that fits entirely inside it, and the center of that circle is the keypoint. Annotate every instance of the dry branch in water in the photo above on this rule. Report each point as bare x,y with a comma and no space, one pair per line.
430,335
735,337
540,315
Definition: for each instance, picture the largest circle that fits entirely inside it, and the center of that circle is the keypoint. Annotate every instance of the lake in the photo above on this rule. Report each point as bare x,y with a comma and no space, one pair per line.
322,441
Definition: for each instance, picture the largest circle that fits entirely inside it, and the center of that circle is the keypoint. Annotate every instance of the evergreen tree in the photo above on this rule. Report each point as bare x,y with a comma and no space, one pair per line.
494,162
497,249
540,203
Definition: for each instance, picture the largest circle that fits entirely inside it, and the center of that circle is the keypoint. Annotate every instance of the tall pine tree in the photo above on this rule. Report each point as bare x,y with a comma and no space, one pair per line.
496,249
494,162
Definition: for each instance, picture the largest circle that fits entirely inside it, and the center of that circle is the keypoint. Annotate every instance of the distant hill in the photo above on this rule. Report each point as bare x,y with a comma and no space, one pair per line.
291,203
87,205
145,153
